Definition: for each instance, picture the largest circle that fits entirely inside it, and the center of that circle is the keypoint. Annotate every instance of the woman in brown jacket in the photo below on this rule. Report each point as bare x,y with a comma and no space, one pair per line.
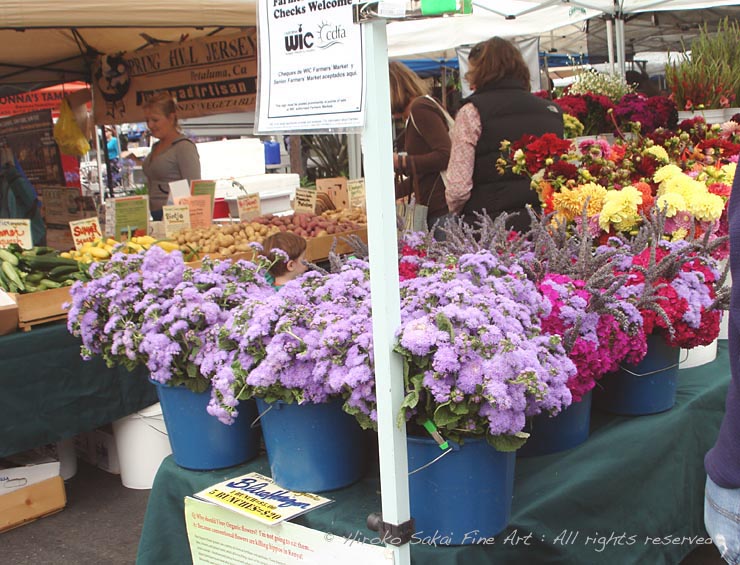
425,142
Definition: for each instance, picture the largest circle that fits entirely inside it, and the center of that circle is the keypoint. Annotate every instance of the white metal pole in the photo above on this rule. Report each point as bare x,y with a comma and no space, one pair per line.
354,153
620,45
610,43
377,143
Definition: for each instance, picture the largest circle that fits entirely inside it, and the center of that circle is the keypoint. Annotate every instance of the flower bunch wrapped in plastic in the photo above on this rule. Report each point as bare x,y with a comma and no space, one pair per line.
309,343
476,360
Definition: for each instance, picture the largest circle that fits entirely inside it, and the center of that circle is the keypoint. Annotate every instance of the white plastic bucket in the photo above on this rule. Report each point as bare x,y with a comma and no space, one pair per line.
698,356
67,458
724,325
142,444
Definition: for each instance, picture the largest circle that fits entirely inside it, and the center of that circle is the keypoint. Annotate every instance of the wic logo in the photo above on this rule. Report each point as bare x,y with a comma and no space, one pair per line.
298,41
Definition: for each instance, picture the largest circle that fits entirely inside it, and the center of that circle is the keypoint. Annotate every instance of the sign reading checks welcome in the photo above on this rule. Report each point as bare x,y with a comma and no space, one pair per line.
209,75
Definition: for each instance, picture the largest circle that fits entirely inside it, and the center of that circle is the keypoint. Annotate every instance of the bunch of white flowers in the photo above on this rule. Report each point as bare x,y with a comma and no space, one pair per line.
613,87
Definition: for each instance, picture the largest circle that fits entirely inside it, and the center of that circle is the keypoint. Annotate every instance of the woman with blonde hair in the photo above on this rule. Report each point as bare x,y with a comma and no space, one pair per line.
173,157
501,108
425,142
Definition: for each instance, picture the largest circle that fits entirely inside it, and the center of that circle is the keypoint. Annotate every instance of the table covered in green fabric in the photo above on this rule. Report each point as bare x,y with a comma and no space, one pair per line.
50,393
633,493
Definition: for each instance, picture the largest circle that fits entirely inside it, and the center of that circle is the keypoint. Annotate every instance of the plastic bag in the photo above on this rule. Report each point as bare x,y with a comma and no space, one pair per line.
68,134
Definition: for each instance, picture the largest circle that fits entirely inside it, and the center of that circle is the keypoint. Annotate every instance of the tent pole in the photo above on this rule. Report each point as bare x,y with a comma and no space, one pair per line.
444,86
620,45
355,155
377,143
97,146
610,43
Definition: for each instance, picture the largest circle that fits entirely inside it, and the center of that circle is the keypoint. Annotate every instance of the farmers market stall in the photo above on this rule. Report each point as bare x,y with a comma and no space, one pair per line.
50,393
575,507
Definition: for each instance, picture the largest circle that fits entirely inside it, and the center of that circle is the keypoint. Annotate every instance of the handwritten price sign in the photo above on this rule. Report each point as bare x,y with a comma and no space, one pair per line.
85,231
16,231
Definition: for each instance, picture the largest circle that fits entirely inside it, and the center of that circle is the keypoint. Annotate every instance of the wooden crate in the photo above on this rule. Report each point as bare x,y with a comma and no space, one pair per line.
40,307
317,248
29,503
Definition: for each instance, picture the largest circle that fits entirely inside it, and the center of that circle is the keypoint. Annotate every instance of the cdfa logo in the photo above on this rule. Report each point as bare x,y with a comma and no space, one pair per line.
330,34
298,41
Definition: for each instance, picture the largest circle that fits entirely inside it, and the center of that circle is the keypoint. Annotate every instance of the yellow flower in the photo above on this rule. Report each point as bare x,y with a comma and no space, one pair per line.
666,172
728,173
658,152
706,207
569,203
673,202
679,234
620,209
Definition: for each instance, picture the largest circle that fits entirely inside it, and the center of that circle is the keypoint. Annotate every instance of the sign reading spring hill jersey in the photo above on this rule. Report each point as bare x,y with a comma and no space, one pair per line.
208,75
311,66
258,497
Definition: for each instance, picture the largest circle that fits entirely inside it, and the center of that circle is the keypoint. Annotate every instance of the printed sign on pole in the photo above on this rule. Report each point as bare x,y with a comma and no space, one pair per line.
16,231
312,48
85,231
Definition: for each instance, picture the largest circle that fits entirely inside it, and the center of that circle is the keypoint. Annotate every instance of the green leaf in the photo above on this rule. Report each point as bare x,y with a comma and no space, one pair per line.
444,324
444,416
505,443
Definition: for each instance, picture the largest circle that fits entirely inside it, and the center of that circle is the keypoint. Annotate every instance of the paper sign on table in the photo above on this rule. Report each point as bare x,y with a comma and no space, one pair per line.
305,199
201,212
16,231
178,189
85,231
214,532
131,215
336,188
249,207
258,497
207,187
356,193
176,219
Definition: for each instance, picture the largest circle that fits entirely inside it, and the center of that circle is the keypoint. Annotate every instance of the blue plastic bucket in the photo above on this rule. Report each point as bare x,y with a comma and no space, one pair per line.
199,441
463,497
647,388
558,433
312,447
272,153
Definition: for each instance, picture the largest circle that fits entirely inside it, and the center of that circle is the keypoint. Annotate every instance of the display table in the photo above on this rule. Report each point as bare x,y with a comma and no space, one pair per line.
50,393
633,493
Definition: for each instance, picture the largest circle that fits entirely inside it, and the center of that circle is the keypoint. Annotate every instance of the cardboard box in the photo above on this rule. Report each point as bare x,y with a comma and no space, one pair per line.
29,503
98,447
317,248
61,205
59,237
25,469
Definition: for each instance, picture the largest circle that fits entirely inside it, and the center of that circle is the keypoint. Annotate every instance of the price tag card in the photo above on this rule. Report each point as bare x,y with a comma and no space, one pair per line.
336,188
131,216
200,210
249,206
356,193
178,189
176,219
85,231
207,187
305,199
16,231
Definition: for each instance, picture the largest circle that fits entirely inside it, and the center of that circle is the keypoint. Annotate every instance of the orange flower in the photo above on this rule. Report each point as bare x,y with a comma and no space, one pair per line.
546,192
647,196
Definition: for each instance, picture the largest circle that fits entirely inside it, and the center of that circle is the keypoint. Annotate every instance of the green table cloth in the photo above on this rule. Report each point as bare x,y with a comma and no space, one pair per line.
50,393
633,493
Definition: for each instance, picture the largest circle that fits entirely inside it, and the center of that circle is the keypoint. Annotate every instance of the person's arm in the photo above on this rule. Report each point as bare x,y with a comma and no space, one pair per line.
465,135
188,160
427,123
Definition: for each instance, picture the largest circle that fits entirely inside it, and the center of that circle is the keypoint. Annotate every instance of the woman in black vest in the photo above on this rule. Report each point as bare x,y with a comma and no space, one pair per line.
501,107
